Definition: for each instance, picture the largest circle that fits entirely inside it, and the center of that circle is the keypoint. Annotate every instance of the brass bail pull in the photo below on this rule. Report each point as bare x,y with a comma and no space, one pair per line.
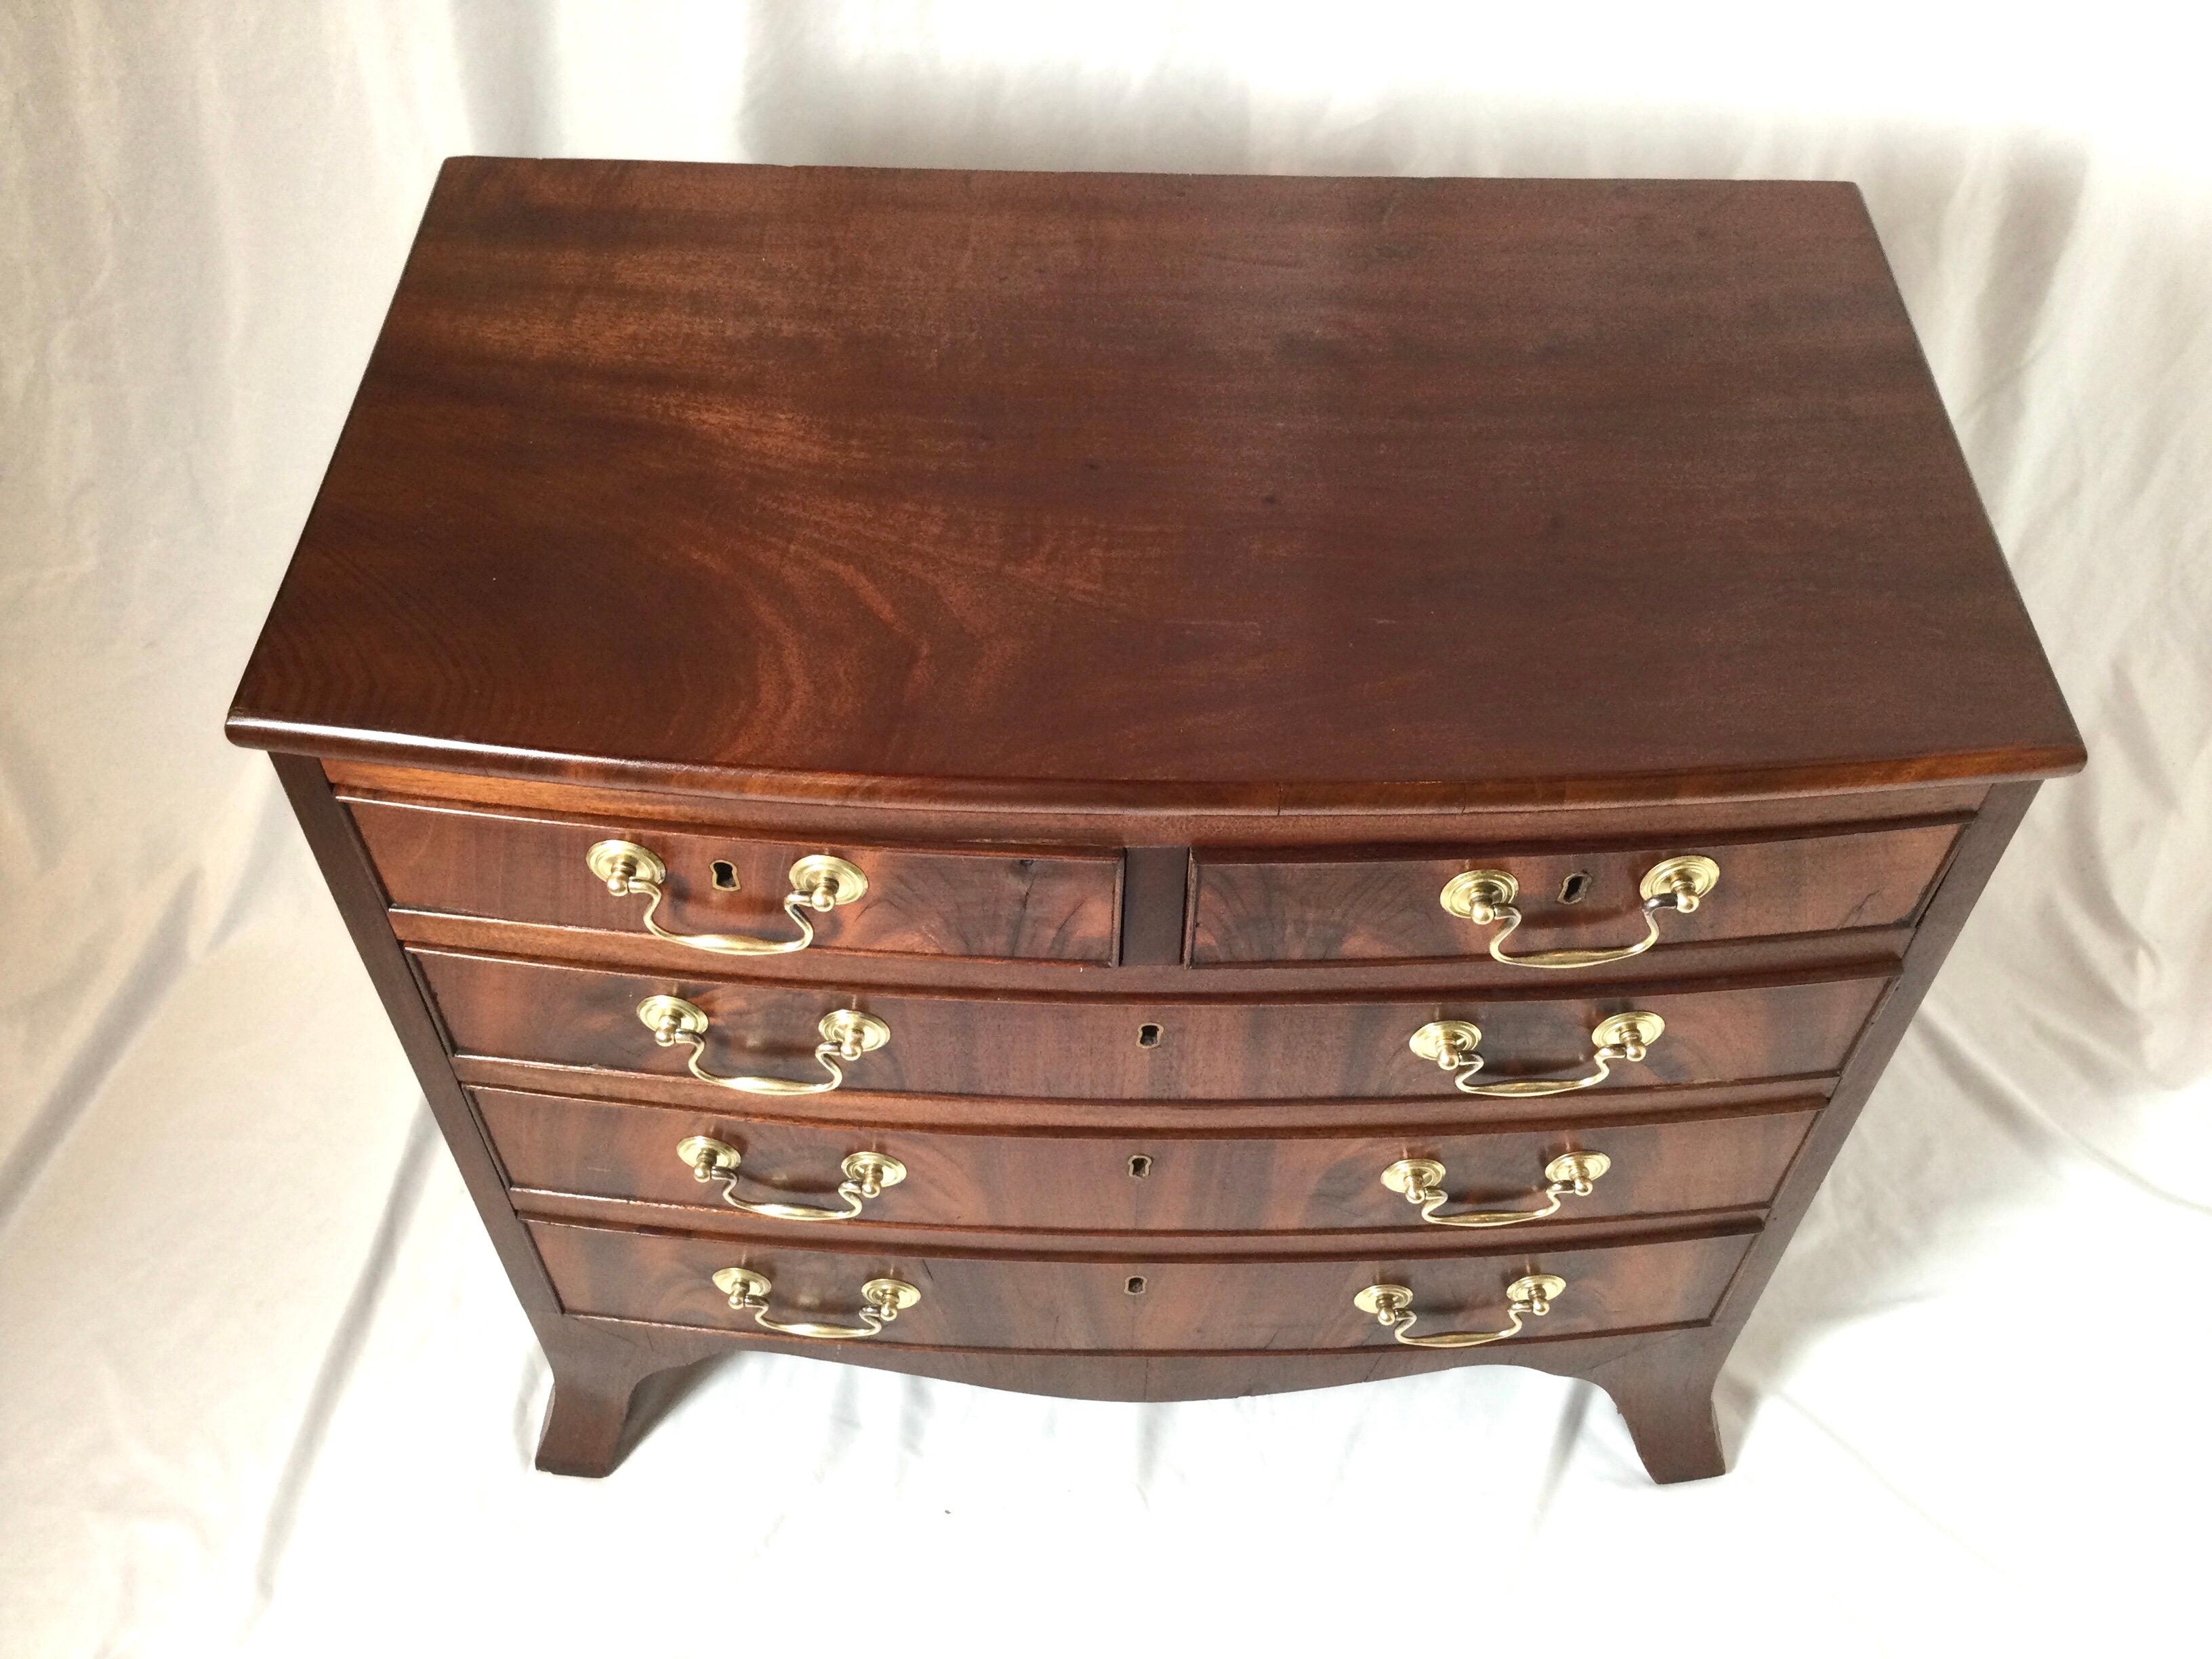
1420,1181
1451,1044
819,882
1529,1297
882,1300
847,1034
866,1175
1486,897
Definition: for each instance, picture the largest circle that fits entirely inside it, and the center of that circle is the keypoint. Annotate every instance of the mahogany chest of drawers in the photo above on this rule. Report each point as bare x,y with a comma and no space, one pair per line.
1148,787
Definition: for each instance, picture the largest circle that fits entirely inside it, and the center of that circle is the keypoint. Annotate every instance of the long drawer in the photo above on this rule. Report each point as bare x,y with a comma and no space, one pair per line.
1133,1305
1113,1048
1349,905
985,903
1067,1180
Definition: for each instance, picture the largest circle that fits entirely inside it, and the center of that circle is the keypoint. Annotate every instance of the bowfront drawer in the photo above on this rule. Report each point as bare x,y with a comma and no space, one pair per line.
731,897
1135,1304
1569,909
763,1039
1070,1181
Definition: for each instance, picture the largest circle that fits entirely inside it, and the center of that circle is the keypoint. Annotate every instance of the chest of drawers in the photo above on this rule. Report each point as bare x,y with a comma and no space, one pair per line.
1148,787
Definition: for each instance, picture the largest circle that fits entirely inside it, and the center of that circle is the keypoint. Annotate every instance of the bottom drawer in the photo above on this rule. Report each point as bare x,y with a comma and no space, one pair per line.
1132,1305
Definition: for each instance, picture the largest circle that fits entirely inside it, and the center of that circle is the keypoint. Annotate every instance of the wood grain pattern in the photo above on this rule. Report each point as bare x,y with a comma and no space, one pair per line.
638,1214
1013,903
1330,905
1625,1360
1036,491
1875,951
1029,531
1442,1114
1264,825
1232,1304
1090,1047
1063,1179
597,1366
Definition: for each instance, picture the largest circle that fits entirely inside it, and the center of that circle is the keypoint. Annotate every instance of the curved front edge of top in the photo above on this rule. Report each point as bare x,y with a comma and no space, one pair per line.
1163,796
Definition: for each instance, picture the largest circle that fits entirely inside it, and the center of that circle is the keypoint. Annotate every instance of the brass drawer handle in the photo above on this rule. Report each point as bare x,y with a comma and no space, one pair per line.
1451,1044
867,1175
882,1300
818,883
1484,896
1393,1307
1420,1179
847,1035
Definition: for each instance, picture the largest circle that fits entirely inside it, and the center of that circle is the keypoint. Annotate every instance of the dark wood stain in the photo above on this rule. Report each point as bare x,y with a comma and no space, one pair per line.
1575,818
1086,1048
984,1302
1016,535
779,480
1011,904
1063,1177
1264,907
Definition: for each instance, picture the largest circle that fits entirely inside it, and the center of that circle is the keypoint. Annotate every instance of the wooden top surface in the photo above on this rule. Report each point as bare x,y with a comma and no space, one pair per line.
1128,490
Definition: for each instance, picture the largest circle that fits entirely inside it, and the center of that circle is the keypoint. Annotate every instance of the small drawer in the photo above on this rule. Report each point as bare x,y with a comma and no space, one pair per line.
985,904
1084,1182
1595,901
1507,1048
1135,1304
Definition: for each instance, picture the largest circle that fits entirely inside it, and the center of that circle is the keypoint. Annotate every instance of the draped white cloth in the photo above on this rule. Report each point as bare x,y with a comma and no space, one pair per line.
262,1388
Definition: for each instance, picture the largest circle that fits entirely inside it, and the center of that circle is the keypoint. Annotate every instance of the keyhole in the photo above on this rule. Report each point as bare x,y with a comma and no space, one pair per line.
725,875
1136,1284
1139,1167
1148,1036
1572,888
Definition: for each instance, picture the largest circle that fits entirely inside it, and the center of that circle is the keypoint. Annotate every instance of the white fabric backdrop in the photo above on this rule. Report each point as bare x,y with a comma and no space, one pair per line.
262,1386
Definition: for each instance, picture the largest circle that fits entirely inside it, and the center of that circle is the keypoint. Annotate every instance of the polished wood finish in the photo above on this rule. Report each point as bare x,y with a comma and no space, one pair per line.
1093,1048
1153,886
1579,820
1061,1178
596,1367
1869,953
1018,489
1286,1306
1009,904
1329,906
1166,584
1441,1113
634,1215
